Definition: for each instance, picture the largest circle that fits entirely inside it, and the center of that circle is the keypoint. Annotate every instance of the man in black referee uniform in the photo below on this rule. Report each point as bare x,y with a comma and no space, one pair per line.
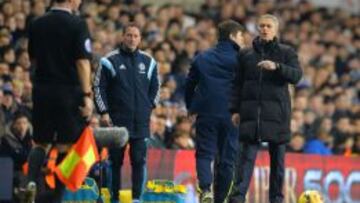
59,48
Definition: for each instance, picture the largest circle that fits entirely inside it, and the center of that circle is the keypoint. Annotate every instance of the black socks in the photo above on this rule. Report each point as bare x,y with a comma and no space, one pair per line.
36,160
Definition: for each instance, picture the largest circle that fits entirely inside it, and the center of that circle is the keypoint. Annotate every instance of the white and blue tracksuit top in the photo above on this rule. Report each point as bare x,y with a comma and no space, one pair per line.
127,87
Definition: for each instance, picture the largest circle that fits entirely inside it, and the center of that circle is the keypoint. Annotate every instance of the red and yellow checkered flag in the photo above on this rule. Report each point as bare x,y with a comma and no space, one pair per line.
73,170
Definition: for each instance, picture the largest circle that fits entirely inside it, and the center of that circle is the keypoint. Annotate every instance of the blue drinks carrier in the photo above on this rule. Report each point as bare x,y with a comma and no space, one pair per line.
89,192
163,191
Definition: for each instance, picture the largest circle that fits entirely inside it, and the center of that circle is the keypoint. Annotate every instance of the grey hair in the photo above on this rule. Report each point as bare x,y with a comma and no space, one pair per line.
271,17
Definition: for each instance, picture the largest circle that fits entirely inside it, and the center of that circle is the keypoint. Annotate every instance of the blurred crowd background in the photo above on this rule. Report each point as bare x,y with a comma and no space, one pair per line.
326,110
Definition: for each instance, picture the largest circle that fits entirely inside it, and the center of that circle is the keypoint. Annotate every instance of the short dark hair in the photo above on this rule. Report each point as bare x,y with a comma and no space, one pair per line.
131,24
228,27
20,114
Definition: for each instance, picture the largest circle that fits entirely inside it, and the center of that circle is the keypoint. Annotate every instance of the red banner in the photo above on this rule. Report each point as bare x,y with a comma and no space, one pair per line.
337,177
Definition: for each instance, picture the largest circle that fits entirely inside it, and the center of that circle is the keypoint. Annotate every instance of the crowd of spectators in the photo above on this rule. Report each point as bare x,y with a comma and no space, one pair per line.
326,110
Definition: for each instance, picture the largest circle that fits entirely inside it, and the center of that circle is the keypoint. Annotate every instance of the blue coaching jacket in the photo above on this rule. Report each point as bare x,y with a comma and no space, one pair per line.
209,83
127,87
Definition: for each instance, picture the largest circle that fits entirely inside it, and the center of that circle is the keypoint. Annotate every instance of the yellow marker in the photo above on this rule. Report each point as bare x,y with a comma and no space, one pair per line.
311,196
125,196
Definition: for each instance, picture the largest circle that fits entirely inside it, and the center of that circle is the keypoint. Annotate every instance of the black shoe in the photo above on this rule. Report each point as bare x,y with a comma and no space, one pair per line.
206,197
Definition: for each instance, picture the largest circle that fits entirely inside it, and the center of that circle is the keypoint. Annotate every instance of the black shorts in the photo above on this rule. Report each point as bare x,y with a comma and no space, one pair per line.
56,115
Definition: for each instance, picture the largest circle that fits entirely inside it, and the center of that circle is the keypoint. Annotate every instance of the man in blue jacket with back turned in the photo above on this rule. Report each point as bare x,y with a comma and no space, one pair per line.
208,90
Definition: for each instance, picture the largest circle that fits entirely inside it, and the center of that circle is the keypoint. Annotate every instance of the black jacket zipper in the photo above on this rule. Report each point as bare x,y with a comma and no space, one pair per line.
134,87
258,124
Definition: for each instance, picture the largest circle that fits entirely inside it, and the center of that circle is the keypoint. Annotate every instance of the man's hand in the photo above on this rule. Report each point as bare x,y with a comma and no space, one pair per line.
267,65
192,116
235,118
105,120
87,109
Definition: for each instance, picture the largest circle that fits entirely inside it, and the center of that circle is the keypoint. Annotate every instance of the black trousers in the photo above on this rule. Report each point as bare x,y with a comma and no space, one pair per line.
138,151
216,139
245,167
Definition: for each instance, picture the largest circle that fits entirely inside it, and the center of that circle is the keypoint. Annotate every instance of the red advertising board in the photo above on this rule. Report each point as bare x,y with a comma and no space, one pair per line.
337,177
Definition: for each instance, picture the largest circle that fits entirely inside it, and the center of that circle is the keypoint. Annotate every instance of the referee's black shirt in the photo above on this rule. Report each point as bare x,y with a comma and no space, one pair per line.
56,41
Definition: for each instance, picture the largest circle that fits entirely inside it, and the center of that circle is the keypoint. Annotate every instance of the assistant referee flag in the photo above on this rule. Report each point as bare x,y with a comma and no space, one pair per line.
73,170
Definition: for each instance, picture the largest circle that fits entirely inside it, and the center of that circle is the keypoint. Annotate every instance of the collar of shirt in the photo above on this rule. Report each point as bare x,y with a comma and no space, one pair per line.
61,9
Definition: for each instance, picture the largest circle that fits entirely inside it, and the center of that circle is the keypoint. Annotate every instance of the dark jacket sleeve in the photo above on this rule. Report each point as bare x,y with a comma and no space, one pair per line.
19,155
83,43
30,36
191,82
103,76
154,91
237,85
290,70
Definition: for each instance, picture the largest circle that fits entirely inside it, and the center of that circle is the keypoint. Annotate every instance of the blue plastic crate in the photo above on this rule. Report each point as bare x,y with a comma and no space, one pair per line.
89,192
164,191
